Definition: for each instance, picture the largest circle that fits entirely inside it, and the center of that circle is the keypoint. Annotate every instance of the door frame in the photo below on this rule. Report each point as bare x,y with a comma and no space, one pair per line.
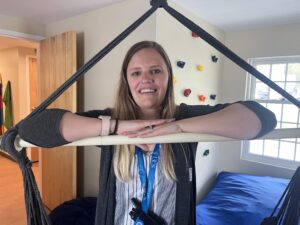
19,35
38,40
28,79
35,150
27,37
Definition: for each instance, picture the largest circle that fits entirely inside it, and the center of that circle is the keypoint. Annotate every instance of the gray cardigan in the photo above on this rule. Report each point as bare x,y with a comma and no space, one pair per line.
184,157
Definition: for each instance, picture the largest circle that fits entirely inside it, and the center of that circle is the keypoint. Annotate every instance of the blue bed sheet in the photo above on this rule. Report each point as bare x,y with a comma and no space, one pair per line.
240,199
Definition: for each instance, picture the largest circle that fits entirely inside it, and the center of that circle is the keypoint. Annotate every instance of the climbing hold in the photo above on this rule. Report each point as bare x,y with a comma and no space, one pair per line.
214,58
187,92
194,35
200,67
213,97
174,80
201,98
180,64
206,152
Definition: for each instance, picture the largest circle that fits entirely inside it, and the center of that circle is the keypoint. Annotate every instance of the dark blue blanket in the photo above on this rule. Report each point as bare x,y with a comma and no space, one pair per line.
240,199
75,212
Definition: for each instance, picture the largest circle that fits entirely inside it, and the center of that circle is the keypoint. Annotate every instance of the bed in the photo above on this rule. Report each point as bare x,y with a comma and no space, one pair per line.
240,199
236,199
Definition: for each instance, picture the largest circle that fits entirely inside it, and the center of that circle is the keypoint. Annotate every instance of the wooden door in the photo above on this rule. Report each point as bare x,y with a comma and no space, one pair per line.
58,165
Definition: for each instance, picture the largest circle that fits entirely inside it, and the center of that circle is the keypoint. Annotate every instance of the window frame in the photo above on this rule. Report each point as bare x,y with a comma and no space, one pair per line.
250,94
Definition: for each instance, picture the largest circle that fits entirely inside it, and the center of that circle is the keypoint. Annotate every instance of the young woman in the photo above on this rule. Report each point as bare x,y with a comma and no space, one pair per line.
148,182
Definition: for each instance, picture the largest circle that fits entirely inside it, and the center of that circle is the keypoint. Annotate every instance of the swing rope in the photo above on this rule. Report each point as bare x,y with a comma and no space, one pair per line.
288,206
36,214
290,210
87,66
228,53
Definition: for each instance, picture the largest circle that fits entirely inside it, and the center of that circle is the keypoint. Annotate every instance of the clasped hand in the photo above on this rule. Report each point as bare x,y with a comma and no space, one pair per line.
147,128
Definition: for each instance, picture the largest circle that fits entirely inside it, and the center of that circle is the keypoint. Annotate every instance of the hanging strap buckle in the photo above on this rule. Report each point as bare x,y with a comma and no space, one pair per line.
159,3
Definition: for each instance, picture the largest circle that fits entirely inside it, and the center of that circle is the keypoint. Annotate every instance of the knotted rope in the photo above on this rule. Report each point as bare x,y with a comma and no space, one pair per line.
36,214
35,211
288,206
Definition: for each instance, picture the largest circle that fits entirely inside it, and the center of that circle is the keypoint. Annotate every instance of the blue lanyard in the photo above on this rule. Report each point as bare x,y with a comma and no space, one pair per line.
147,184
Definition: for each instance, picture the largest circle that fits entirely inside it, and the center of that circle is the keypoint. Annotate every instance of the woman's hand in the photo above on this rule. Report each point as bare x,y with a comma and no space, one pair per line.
167,127
146,128
132,127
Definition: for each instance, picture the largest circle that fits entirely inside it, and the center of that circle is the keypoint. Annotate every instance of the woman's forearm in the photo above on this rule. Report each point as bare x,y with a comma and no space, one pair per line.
74,127
235,121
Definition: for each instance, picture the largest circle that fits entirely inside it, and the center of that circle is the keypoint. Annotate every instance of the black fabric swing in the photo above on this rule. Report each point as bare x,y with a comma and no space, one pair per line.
290,208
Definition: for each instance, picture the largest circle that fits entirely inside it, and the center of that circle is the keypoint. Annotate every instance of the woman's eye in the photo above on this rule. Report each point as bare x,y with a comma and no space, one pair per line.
135,73
155,71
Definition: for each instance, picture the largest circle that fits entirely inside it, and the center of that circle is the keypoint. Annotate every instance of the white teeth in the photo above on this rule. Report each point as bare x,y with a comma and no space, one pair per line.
147,91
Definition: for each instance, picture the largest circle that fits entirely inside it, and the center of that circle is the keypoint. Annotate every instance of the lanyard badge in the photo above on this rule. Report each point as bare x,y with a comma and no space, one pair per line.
146,181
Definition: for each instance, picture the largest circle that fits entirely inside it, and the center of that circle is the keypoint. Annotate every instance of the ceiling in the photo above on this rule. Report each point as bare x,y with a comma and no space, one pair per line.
229,15
234,15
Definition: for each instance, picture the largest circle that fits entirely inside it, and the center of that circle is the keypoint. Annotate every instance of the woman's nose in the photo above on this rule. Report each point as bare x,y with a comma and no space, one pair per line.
147,77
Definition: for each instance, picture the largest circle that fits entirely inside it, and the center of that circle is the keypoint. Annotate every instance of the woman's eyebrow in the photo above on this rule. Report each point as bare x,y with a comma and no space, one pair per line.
153,66
134,68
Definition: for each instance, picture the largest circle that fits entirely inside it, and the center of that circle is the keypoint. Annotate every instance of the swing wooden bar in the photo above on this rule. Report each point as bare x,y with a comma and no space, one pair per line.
171,138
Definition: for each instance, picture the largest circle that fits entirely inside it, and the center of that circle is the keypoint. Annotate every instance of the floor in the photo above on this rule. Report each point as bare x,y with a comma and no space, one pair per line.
12,207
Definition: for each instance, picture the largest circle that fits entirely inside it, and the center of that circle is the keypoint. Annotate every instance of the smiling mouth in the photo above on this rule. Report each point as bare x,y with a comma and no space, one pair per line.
147,91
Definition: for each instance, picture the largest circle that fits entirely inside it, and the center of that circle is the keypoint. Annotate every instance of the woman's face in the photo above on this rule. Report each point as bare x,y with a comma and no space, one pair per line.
147,77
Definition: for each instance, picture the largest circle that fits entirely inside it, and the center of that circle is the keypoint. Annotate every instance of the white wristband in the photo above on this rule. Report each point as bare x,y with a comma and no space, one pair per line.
105,126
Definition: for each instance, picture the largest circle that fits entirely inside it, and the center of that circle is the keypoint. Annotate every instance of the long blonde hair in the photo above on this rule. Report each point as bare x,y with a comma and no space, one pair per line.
126,109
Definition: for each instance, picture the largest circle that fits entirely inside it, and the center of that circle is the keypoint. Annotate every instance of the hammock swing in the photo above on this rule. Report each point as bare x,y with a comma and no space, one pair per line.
287,210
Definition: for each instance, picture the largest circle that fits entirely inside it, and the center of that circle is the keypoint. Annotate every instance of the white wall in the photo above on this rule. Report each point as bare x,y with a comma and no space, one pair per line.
20,25
276,41
100,82
180,45
20,28
13,69
9,70
96,30
24,79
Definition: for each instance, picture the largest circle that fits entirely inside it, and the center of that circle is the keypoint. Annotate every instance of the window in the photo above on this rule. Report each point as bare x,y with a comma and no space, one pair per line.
285,72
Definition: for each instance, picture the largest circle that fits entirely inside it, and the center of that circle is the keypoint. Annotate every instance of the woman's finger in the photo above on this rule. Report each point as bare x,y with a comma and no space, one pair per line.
132,127
159,122
160,130
133,134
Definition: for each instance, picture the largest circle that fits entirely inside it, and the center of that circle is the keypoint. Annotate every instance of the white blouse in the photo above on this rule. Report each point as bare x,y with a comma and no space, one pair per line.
163,194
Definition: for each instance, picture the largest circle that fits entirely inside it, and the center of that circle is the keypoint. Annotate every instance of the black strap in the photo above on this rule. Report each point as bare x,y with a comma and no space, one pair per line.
86,67
35,211
34,207
36,214
228,53
290,209
286,212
